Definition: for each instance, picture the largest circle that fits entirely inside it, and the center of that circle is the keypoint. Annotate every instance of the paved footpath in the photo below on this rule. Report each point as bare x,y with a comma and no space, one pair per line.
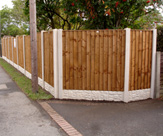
21,117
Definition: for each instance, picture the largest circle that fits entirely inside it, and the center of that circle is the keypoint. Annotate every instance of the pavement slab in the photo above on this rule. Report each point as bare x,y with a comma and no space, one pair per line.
3,86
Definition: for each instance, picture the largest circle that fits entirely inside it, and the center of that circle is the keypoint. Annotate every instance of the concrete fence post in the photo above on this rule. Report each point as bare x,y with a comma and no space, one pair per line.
55,61
153,63
157,81
60,66
42,54
127,66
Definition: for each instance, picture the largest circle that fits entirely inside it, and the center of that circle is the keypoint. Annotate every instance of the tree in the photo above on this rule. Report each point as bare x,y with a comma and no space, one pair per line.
51,15
102,14
13,20
148,21
18,13
160,38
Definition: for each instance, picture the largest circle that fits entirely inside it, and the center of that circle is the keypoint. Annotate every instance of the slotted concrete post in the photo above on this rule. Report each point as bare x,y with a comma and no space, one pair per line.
153,63
127,66
60,64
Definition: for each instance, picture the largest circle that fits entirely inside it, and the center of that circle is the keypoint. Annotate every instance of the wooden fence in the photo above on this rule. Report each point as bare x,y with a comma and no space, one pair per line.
140,59
25,54
94,60
87,59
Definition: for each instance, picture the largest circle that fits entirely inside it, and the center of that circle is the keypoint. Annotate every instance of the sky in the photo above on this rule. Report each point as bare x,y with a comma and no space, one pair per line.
5,2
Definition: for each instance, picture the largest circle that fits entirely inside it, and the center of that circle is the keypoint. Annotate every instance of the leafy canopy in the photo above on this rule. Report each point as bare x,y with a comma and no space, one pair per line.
102,14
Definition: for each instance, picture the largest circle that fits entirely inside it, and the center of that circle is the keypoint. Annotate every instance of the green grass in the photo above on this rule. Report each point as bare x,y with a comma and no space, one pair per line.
24,83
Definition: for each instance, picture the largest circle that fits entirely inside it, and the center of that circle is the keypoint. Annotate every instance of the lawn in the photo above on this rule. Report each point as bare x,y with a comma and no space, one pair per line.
24,83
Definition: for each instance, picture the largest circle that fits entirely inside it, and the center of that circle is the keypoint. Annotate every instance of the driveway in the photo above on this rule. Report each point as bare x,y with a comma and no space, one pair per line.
143,118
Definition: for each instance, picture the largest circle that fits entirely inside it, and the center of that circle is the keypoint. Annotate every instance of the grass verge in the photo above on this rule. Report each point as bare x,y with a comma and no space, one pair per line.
24,83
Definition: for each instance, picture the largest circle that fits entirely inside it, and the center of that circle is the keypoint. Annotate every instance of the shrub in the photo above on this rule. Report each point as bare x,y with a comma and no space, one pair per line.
160,38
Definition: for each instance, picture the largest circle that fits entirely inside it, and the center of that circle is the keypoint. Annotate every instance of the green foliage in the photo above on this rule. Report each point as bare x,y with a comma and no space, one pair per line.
24,83
81,14
50,15
148,21
13,21
160,38
102,14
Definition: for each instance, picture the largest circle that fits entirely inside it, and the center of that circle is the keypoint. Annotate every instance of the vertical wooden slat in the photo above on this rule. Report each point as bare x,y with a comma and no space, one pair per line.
4,53
97,56
64,58
28,54
123,60
20,51
10,43
3,39
105,60
146,61
92,60
114,61
130,72
133,60
143,63
88,61
84,60
118,51
7,47
139,59
79,60
39,61
15,52
75,60
150,58
110,49
46,56
101,60
51,64
136,60
2,46
146,58
71,46
67,60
